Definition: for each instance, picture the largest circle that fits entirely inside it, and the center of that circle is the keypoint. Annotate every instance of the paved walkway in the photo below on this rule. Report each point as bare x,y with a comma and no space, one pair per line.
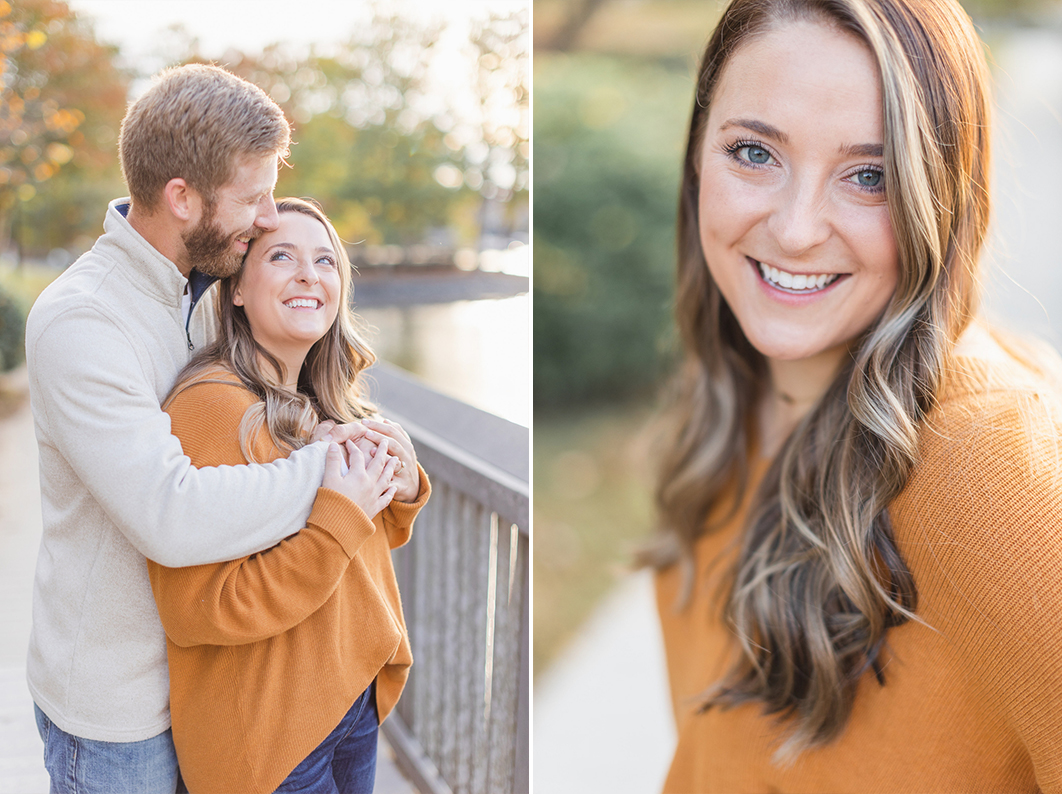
602,711
21,767
602,716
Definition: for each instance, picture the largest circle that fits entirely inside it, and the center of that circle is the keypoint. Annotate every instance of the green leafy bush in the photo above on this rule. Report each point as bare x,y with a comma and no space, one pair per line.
12,332
608,141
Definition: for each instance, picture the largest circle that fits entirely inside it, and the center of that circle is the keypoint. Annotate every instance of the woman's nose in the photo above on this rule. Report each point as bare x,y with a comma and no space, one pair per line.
799,221
307,273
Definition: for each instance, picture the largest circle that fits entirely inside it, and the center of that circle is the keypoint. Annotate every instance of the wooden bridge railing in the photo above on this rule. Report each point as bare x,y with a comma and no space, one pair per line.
461,726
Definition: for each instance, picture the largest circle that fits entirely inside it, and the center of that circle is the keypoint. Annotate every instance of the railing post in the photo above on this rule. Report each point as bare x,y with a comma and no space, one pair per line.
462,725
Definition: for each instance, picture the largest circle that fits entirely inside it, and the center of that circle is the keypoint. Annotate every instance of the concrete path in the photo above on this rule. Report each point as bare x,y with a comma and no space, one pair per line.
602,720
21,765
21,768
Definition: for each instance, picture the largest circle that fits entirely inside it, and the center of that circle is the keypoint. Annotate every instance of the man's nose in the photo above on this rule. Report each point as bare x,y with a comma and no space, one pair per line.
267,217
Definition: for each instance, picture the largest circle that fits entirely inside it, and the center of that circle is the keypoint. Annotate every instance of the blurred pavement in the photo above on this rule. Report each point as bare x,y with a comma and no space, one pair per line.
602,719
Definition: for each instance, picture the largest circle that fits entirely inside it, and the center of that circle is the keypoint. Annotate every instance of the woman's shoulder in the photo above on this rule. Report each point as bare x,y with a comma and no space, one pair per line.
217,387
1001,401
205,414
988,483
979,521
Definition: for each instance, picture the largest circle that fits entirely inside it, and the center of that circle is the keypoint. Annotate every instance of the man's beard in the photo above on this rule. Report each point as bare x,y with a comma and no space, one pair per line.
210,250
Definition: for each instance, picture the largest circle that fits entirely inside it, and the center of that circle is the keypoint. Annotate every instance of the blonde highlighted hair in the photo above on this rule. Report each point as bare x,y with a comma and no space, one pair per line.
196,122
329,384
819,579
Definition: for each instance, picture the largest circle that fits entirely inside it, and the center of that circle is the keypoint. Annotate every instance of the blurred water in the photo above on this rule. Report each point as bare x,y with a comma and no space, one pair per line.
476,351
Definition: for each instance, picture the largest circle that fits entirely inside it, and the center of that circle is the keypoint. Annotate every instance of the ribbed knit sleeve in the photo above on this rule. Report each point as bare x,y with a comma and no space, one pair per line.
398,516
982,525
263,595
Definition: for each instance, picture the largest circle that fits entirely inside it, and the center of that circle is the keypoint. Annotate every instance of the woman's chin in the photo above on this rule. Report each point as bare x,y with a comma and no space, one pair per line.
791,348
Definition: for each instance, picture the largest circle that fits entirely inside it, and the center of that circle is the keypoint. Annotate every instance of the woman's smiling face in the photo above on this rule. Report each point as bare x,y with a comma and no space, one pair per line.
290,287
793,219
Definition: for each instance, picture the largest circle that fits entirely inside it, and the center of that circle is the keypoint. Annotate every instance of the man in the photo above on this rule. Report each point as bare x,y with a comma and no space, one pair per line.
199,152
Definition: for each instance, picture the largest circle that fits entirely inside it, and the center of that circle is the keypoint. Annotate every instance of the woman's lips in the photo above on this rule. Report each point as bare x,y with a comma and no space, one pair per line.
796,284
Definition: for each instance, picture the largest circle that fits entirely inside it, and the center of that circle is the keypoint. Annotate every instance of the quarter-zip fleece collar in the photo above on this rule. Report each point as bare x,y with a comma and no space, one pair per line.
151,273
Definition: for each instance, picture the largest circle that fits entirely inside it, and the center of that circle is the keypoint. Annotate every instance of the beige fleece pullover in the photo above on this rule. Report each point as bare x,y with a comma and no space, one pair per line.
104,344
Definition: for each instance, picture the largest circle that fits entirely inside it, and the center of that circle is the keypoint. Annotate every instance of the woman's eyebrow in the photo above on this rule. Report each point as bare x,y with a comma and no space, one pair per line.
761,127
772,132
863,150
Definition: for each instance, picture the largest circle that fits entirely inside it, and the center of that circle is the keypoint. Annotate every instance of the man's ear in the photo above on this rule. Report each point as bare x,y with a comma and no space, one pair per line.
182,200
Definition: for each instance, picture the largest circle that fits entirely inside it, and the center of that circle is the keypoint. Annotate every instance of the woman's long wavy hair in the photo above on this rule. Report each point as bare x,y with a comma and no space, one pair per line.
819,578
328,385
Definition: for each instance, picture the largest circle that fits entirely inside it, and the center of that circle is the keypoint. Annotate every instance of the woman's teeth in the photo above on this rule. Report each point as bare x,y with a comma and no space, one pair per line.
301,303
808,283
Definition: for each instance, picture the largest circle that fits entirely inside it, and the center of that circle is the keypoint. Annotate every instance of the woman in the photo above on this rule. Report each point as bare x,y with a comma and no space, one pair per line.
282,664
860,560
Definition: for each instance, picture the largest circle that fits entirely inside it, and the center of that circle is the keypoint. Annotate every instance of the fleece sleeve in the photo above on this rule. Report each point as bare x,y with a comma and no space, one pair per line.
95,404
266,594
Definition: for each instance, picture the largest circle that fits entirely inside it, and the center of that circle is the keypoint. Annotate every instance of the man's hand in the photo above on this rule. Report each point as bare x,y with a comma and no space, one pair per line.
406,477
368,483
330,431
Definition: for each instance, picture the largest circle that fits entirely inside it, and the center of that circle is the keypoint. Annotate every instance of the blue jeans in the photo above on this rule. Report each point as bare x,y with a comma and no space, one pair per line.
86,766
345,762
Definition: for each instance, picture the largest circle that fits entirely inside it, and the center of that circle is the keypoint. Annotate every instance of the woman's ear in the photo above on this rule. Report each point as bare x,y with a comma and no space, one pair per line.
237,296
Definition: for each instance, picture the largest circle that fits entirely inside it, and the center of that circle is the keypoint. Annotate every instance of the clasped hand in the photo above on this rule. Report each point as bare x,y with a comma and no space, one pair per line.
381,458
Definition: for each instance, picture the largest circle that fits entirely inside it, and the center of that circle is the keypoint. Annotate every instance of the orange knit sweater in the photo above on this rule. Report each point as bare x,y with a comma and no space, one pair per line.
973,701
267,653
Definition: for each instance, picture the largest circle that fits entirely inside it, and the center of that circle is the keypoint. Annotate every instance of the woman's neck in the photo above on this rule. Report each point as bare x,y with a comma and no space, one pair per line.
292,363
795,388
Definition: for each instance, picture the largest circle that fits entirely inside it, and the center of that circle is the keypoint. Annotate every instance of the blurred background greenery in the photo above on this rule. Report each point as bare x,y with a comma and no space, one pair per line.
613,90
410,126
390,155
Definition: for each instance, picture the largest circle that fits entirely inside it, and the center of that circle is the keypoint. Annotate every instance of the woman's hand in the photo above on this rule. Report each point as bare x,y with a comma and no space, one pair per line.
368,483
407,477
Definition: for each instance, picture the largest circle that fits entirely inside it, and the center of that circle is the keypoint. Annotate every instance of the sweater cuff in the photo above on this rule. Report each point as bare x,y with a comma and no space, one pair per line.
342,519
405,512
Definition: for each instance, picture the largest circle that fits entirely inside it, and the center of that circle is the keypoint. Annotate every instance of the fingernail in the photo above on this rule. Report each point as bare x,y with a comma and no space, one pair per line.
329,437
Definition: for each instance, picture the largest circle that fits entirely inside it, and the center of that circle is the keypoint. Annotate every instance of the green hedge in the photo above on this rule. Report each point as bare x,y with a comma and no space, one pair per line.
608,142
12,332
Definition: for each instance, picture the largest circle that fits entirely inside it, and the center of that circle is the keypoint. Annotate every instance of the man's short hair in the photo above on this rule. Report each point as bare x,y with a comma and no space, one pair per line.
196,122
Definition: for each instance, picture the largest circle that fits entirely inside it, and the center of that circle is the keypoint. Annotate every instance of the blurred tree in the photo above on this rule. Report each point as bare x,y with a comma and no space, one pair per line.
680,28
61,102
579,13
12,332
608,152
397,135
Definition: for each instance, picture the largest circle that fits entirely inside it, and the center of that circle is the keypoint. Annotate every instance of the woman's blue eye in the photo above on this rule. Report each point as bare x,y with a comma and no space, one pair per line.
757,155
867,178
